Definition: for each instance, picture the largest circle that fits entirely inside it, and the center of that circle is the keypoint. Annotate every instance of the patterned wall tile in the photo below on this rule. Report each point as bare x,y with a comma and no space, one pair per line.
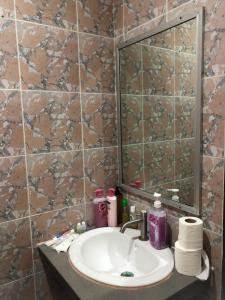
158,64
186,191
52,121
17,290
131,119
213,96
138,12
58,13
158,118
55,180
214,38
185,115
97,64
11,132
100,170
132,156
96,17
9,75
159,163
212,193
131,70
15,250
13,190
213,135
185,75
48,58
99,120
7,9
184,158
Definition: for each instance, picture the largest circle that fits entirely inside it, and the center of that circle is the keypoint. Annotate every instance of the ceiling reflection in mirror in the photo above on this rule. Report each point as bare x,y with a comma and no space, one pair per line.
158,113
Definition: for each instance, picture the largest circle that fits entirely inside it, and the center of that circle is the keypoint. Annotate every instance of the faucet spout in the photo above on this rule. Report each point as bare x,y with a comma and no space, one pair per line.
128,224
142,221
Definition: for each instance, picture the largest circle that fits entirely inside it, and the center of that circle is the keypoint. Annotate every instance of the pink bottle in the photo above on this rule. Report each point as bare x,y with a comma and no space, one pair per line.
100,209
112,208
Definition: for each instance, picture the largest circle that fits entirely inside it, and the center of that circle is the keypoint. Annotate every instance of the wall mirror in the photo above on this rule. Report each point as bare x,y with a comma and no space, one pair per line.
159,90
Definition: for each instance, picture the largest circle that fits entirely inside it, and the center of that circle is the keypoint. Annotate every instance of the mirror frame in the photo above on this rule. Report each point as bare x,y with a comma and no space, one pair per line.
198,14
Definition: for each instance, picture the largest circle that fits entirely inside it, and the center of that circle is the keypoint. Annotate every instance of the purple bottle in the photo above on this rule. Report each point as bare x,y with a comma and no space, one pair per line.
100,209
157,225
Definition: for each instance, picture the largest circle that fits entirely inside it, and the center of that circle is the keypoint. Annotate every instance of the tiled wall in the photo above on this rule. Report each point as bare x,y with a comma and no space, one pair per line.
133,17
157,83
58,127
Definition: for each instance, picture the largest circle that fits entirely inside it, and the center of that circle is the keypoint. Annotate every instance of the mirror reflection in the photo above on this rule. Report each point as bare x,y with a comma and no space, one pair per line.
158,113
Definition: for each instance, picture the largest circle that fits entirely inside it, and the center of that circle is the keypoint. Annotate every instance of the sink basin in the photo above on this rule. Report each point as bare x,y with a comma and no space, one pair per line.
104,254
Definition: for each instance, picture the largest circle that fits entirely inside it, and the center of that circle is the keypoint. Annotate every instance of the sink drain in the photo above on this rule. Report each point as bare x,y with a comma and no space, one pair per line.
127,274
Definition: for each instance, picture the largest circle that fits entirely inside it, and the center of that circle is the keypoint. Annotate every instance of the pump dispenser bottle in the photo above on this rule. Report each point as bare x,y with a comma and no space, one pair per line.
112,208
157,224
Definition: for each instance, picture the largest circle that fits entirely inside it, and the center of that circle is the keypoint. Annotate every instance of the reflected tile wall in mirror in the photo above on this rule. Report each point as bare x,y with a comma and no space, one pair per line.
158,109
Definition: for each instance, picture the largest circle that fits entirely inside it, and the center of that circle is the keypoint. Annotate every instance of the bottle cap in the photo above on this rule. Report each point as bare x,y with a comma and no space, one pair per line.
132,209
157,204
124,202
99,193
173,190
157,195
138,184
111,192
83,223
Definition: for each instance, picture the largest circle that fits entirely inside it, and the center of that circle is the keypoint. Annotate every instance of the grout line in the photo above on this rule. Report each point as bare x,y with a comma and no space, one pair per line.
215,76
43,213
159,142
56,152
54,27
174,105
142,115
123,26
25,152
81,110
167,49
58,92
17,280
159,96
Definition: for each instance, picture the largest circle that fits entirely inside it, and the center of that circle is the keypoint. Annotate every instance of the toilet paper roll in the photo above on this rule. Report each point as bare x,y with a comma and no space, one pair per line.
187,262
190,233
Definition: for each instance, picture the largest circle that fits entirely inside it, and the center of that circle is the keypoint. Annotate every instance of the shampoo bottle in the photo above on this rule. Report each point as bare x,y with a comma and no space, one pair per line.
157,224
112,208
100,209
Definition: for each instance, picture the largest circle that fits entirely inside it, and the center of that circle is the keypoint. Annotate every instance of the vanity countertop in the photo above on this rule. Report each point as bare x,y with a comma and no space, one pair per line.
175,287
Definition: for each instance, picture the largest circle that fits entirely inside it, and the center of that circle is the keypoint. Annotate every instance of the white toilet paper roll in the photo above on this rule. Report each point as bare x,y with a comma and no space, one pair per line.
190,233
187,262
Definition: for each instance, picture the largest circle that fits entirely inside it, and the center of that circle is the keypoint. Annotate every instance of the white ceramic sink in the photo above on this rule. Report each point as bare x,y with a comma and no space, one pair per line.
103,254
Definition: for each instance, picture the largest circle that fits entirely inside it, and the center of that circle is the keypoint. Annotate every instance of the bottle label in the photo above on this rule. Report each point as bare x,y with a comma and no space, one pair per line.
102,208
157,231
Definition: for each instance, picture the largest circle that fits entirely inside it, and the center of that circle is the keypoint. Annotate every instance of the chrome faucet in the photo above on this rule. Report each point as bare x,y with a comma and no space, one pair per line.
142,221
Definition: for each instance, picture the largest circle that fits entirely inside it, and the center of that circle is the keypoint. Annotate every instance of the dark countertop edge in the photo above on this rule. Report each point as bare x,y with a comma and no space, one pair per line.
87,289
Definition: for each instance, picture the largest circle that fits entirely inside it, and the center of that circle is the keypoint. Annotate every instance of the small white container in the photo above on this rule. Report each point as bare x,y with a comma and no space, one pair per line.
112,208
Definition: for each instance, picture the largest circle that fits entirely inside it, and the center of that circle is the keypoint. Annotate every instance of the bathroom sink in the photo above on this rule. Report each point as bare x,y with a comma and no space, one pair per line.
108,256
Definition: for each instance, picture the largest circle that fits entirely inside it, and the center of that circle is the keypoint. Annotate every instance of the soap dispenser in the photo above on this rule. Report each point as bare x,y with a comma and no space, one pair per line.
157,224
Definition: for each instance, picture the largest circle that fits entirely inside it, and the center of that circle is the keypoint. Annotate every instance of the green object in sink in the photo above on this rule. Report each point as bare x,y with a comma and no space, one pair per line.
127,274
